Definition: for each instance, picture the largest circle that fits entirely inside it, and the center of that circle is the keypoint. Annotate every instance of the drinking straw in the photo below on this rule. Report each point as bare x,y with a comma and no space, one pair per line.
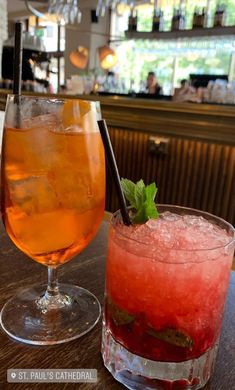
114,170
17,75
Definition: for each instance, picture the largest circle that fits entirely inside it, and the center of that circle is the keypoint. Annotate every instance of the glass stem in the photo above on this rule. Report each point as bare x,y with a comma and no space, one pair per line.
52,287
52,298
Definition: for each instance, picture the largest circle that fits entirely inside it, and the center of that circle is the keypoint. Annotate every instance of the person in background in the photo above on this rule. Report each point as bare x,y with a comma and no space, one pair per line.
152,85
63,88
185,87
186,93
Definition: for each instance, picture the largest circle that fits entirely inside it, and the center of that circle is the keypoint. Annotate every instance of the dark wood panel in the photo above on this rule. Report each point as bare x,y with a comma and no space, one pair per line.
192,173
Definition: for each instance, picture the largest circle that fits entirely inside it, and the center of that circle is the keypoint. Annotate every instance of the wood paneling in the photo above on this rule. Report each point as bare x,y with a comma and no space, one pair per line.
193,173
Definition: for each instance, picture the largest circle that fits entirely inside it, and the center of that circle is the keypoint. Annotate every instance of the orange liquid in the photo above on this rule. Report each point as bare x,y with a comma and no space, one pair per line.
53,191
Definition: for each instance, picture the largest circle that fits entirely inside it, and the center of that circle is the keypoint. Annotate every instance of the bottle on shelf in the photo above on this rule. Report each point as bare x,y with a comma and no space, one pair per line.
157,20
157,17
220,16
178,20
199,17
195,13
132,20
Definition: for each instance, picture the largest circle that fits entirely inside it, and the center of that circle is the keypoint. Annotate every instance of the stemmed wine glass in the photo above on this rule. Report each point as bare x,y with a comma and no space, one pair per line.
52,201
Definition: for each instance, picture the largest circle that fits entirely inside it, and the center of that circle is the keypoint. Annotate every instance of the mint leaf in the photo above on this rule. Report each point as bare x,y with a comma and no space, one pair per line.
139,216
150,207
141,199
119,316
172,336
139,194
128,188
151,211
151,192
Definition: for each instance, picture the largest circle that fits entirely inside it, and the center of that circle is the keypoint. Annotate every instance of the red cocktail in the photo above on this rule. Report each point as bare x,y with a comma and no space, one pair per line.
166,286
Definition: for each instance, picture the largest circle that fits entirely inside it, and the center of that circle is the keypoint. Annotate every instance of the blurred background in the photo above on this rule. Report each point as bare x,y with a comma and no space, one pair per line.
175,39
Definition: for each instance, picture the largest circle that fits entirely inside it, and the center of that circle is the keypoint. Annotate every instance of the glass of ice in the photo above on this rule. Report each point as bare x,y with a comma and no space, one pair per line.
166,284
52,201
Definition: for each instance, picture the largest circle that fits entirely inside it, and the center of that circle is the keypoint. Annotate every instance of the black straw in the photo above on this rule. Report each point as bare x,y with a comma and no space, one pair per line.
17,59
114,170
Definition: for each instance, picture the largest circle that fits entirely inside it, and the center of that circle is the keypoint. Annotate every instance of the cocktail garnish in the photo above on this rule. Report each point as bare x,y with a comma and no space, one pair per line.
141,199
119,316
172,336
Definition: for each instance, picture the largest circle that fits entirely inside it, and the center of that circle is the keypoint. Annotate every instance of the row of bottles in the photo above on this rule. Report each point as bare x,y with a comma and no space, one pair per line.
200,18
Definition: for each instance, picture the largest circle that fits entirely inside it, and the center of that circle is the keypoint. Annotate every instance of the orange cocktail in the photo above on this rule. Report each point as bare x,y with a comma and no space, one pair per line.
52,192
52,202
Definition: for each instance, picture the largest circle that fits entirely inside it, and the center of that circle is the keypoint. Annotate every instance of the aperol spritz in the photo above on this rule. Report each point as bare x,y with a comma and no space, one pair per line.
53,194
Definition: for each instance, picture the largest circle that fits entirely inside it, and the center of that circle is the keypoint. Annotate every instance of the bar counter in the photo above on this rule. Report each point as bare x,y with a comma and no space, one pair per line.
208,122
188,149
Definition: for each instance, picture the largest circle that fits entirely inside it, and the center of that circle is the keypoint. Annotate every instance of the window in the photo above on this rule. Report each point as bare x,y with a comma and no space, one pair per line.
171,60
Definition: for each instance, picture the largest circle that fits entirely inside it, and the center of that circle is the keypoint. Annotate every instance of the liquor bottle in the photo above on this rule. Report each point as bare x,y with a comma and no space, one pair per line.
132,20
199,17
195,18
202,17
220,16
157,20
178,20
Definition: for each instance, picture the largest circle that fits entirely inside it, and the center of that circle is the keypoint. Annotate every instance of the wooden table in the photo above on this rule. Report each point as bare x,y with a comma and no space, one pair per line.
86,270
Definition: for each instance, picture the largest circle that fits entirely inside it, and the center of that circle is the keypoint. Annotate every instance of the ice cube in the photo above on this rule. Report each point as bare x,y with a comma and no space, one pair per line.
196,221
48,121
73,188
152,223
74,129
33,194
33,108
171,217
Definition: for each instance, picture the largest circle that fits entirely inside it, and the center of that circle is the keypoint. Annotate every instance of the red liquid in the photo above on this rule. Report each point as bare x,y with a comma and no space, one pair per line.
149,297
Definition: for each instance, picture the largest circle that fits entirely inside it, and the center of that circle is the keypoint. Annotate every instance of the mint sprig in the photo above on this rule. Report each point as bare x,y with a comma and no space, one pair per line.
141,199
173,336
119,316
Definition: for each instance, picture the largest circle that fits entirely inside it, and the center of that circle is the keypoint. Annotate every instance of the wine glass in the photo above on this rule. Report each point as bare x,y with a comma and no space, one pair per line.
52,201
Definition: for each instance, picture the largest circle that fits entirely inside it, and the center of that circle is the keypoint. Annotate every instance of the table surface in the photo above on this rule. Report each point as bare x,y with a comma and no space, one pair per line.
86,270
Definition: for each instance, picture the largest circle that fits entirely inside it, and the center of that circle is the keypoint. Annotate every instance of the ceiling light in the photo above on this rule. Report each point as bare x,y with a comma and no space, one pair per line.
107,56
79,57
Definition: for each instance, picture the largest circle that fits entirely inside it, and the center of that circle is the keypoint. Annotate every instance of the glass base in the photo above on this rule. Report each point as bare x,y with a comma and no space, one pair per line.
137,373
28,318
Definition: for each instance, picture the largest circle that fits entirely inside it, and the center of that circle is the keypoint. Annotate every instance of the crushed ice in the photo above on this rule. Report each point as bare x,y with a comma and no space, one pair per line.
173,231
